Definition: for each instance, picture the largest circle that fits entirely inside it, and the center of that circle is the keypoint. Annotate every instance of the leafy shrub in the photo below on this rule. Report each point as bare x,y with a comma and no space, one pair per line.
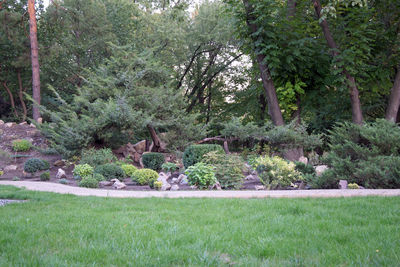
34,165
153,160
21,145
194,153
169,167
63,181
129,169
96,157
201,175
45,176
353,186
157,185
276,172
1,173
98,177
45,165
89,182
368,155
228,168
145,177
110,171
82,170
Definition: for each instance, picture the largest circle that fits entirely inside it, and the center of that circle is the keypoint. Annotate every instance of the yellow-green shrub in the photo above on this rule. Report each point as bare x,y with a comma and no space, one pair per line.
276,172
129,169
145,177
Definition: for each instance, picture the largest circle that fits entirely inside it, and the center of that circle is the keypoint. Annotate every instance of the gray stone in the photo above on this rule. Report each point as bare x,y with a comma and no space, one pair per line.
320,169
61,174
163,179
9,124
217,186
343,184
140,147
1,122
105,183
175,187
117,184
303,160
174,180
259,187
10,168
23,123
59,163
251,177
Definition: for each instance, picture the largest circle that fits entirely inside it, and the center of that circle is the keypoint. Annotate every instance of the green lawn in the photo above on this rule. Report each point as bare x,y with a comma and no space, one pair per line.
64,230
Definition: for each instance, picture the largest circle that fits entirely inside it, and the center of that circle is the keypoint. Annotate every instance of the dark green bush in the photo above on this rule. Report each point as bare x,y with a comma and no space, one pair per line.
304,168
110,171
45,176
89,182
368,155
153,160
194,153
96,157
228,169
34,165
45,165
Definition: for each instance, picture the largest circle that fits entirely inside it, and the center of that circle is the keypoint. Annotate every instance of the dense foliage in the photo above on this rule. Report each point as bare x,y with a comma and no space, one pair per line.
21,145
97,157
228,169
201,175
34,165
145,177
367,155
153,160
194,153
110,171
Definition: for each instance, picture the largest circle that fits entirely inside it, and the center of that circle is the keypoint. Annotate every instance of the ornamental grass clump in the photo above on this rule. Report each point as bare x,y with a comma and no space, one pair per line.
21,145
275,172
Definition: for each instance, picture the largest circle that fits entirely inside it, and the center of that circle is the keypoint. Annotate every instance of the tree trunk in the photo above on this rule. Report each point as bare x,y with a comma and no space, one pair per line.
351,82
394,99
34,59
11,99
291,6
157,147
270,92
21,96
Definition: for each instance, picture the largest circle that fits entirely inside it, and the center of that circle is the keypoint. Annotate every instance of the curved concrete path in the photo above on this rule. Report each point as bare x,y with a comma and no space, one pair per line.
79,191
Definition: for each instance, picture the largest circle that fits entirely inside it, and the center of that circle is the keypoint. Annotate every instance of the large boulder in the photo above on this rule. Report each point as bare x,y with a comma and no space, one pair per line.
10,168
140,147
61,174
175,187
303,159
117,184
343,184
320,169
163,178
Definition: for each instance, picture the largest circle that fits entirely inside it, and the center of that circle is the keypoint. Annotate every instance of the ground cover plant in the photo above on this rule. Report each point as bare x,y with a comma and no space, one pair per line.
360,231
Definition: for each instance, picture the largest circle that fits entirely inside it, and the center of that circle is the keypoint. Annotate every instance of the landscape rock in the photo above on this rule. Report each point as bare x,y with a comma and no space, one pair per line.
193,187
251,177
303,160
59,163
61,174
1,122
217,186
343,184
10,168
184,181
40,120
140,147
320,169
259,187
32,125
105,183
174,180
175,187
23,123
163,179
180,177
9,124
117,184
137,158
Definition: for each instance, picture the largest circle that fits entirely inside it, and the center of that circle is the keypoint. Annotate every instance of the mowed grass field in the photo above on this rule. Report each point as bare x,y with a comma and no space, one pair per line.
64,230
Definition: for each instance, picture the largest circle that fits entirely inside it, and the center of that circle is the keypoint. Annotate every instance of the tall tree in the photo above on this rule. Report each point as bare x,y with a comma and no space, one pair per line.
394,99
34,59
351,82
270,91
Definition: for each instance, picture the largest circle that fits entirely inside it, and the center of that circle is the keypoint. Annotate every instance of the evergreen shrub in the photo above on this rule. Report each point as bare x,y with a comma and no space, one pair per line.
110,171
194,153
153,160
